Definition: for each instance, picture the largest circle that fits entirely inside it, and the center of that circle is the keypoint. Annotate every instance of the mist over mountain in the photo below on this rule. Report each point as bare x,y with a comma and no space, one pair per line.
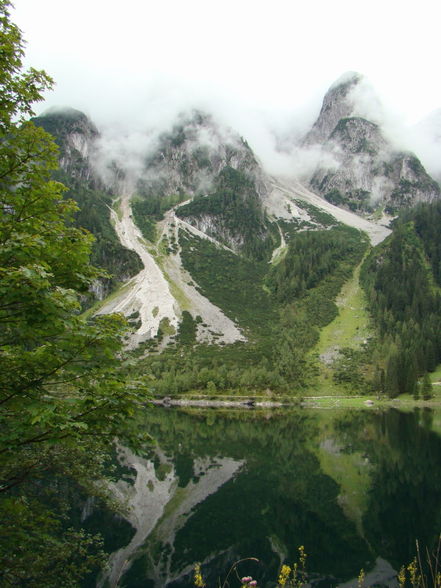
359,166
78,140
214,184
426,138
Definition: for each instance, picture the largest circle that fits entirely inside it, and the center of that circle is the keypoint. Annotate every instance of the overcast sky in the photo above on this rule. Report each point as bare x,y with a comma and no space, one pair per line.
137,61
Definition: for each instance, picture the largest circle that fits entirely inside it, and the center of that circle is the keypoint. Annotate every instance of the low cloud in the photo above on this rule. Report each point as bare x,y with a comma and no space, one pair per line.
128,136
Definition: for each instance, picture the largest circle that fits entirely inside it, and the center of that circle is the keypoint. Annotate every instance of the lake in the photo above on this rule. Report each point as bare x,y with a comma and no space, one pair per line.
356,488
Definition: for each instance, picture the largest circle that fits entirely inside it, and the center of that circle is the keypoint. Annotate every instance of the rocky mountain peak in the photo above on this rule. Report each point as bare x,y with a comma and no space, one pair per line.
67,123
338,103
358,167
76,136
189,157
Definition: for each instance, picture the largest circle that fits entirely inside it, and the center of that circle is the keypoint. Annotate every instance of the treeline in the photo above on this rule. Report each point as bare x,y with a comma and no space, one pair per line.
401,279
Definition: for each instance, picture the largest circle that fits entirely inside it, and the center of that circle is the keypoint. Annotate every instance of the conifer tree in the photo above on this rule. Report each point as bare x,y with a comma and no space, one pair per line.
427,389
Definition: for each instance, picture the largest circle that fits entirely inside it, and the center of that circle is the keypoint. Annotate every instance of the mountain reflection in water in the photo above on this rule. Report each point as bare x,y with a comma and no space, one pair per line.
356,488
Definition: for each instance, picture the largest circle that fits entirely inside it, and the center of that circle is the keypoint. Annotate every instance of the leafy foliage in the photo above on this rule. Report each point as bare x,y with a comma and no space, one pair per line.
62,391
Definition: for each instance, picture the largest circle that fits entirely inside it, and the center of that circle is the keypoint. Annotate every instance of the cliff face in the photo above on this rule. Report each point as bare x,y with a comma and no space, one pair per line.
190,157
210,164
363,170
338,103
77,138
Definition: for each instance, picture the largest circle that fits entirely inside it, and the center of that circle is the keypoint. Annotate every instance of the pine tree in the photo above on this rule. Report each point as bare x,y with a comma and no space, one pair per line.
426,389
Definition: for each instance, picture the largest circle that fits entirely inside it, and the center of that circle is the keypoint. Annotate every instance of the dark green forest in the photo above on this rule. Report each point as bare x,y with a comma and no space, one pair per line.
402,281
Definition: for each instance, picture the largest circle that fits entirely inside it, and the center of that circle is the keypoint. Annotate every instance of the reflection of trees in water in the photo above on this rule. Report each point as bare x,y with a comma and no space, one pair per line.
406,490
280,499
404,499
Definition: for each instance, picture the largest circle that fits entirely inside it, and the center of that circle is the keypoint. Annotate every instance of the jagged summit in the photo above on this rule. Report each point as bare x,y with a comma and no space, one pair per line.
338,103
188,157
76,136
358,166
347,79
63,120
67,112
202,159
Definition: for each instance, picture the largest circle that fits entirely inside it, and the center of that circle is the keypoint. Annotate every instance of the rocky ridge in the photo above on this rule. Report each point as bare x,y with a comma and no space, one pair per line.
199,179
78,141
363,170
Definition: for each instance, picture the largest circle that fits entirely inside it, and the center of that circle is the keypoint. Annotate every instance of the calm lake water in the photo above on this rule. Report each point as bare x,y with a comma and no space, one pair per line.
356,488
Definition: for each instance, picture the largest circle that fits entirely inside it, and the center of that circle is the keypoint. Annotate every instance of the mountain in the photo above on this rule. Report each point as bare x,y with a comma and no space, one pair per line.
359,168
77,138
338,103
198,159
200,193
231,273
188,157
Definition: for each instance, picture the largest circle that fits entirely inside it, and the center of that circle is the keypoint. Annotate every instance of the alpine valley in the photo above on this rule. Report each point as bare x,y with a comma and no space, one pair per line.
241,283
179,305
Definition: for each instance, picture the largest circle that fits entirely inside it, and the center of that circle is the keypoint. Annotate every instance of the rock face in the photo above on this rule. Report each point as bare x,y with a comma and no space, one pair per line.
338,103
363,171
189,158
76,136
77,139
201,160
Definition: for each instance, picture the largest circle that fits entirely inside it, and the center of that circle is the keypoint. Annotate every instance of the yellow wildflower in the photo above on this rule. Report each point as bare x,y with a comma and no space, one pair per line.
198,580
284,574
402,577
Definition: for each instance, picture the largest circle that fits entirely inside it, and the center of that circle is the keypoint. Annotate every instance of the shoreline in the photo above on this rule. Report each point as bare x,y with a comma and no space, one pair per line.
249,402
210,403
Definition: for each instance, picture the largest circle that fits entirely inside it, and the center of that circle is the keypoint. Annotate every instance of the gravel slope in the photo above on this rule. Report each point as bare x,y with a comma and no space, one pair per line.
280,203
160,292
